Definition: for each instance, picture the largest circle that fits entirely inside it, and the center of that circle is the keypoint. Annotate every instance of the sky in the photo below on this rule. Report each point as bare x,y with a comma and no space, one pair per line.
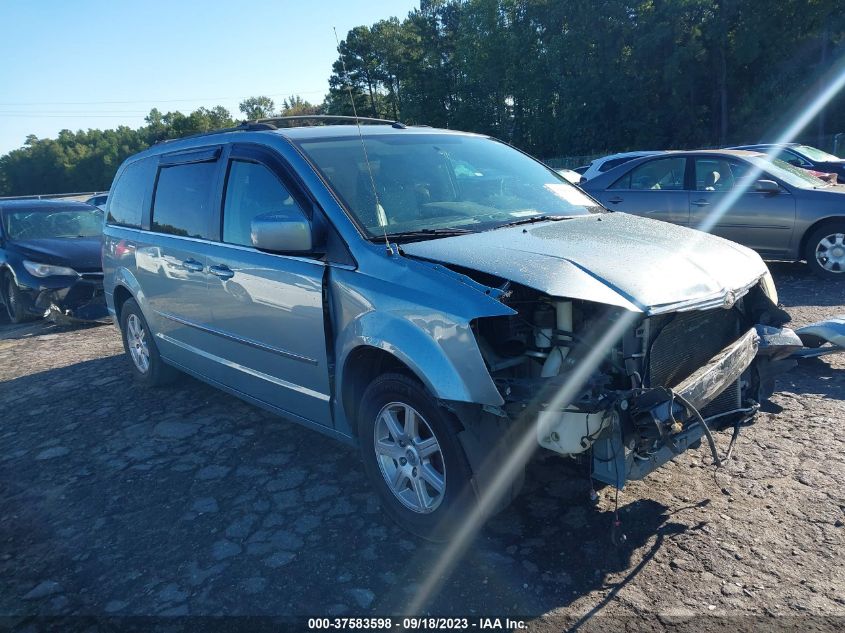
100,64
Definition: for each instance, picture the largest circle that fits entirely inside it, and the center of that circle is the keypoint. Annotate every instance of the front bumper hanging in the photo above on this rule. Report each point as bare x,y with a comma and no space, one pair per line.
659,419
83,300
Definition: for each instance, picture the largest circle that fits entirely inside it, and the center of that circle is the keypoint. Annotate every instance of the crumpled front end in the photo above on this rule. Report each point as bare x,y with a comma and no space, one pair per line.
81,300
667,381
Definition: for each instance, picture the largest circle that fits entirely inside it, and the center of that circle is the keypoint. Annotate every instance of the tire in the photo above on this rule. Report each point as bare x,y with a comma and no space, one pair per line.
825,251
15,301
144,359
412,460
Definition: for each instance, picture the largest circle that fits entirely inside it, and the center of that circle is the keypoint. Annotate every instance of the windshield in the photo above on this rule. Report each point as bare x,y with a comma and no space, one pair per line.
790,174
816,154
441,182
44,224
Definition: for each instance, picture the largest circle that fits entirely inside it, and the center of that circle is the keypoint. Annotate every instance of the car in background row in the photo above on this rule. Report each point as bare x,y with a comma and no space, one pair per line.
606,163
99,200
50,260
571,175
803,156
785,213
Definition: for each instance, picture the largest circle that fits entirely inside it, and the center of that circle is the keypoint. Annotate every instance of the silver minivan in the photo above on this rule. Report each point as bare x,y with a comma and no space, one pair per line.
438,298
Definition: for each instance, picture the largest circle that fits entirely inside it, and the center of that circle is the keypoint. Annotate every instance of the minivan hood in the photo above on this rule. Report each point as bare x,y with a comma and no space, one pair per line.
612,258
83,254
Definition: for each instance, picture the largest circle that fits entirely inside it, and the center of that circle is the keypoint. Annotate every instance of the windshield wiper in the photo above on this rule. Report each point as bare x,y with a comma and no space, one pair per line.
533,219
421,234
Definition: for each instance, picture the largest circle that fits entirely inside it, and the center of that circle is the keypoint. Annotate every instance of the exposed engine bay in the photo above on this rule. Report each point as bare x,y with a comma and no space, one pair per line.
666,383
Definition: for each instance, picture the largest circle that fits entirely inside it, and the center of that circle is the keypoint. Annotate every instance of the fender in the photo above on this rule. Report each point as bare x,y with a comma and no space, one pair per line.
449,365
124,277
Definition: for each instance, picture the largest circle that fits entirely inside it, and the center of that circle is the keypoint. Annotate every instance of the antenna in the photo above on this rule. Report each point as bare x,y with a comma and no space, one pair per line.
380,213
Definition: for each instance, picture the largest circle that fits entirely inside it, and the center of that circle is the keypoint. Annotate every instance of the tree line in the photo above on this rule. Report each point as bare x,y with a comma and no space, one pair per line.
552,77
86,160
580,77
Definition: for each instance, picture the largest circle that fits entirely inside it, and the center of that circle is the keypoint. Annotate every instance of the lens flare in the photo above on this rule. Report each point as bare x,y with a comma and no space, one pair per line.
442,566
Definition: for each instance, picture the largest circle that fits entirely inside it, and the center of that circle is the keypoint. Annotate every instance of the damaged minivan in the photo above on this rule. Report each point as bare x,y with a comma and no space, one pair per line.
437,298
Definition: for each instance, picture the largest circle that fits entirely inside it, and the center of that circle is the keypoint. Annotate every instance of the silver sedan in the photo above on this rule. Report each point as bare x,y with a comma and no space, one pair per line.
775,208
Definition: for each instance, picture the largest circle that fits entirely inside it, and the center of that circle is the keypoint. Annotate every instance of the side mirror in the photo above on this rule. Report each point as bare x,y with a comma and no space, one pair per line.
766,186
283,231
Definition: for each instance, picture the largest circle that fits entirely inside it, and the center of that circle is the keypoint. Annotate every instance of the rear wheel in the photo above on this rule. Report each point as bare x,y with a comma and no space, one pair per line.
147,366
413,457
16,303
826,251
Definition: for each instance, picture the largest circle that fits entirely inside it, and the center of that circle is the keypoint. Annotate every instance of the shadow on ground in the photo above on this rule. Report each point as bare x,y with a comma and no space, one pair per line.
184,500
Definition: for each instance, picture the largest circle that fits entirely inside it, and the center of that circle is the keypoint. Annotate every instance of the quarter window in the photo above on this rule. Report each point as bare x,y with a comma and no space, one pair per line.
183,199
251,190
664,174
126,201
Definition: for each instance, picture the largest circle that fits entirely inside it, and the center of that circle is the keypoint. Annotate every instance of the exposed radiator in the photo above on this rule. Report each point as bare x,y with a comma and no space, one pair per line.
683,342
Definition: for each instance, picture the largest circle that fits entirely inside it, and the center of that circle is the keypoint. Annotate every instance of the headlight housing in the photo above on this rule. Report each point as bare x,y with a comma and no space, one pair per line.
48,270
768,286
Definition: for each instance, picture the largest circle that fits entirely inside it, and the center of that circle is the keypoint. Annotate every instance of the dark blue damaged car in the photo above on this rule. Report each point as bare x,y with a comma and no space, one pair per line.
51,260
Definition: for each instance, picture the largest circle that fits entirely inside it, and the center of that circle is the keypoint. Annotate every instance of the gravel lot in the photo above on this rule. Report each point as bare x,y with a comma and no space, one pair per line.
117,500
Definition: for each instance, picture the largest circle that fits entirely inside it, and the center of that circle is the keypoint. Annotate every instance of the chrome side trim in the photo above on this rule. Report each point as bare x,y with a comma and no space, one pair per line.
252,372
239,339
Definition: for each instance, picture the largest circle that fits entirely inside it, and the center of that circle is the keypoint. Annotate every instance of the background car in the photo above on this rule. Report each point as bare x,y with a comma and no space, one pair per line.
572,176
786,214
50,260
99,200
803,156
606,163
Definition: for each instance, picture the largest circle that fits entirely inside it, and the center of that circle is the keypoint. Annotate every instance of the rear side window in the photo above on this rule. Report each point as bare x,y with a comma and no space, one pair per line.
126,200
252,190
664,174
182,203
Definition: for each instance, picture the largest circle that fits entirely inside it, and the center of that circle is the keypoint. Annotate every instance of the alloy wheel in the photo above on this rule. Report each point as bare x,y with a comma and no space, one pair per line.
11,299
409,457
830,253
136,341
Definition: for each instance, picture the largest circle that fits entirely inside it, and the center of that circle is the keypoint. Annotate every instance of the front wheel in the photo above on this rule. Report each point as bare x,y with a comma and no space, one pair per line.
15,301
826,251
147,366
413,457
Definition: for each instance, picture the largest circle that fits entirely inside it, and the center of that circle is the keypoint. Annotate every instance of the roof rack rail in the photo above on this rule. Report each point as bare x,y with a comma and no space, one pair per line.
246,126
270,124
329,117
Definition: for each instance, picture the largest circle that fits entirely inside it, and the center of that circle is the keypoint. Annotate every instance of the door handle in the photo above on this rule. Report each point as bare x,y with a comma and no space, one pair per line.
192,265
701,203
224,272
615,199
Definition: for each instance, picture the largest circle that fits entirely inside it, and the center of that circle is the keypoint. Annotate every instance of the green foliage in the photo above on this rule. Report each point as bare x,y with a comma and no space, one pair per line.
582,77
257,108
86,160
553,78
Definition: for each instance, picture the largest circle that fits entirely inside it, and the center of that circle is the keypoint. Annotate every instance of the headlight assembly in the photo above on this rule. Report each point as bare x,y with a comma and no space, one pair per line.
768,286
48,270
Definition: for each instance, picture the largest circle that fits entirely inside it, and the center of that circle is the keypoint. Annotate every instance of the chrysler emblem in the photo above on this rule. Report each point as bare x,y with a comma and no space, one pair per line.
729,300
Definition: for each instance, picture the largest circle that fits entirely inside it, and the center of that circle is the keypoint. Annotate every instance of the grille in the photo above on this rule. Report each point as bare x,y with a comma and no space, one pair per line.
684,341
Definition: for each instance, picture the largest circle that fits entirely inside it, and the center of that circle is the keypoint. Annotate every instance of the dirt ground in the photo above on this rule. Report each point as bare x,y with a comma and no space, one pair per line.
117,501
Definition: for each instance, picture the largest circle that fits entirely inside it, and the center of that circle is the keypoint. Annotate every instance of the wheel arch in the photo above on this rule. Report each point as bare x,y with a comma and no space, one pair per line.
805,238
363,365
121,295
